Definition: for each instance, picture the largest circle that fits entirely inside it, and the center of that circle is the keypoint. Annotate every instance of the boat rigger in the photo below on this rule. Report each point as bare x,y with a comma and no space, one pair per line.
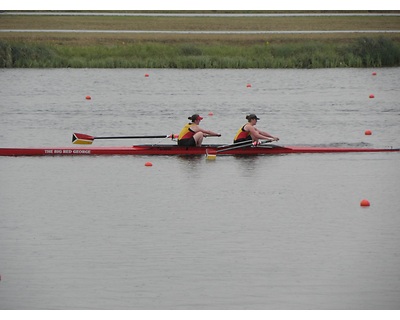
169,149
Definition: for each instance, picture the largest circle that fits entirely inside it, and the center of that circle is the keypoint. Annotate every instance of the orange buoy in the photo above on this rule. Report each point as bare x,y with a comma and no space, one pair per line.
88,97
368,132
210,113
371,96
248,85
374,73
364,203
148,164
146,75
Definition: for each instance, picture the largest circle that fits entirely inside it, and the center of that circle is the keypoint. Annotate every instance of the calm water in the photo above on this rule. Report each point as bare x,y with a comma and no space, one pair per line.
269,232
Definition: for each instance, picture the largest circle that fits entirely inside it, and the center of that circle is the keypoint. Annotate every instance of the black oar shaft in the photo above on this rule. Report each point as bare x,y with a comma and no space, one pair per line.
238,145
132,137
80,138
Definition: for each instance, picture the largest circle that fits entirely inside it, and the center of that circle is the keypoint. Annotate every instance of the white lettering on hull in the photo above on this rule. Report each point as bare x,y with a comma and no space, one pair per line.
66,151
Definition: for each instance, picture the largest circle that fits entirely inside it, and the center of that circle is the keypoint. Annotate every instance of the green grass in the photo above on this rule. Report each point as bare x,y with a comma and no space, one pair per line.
362,52
163,50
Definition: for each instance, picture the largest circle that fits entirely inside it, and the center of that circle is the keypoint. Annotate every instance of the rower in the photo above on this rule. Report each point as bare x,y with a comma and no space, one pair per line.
249,132
192,134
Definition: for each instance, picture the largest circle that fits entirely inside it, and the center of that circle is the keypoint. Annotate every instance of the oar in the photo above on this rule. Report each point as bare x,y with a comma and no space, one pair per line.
81,138
236,145
243,144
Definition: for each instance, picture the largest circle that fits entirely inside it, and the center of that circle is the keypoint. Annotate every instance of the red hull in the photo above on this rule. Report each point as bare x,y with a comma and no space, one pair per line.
176,150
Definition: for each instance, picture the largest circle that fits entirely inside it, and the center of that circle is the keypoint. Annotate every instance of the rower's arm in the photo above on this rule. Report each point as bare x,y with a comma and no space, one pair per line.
266,134
256,134
209,133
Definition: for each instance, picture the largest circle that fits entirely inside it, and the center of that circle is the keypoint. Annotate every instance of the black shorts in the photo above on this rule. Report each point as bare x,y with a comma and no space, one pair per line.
187,142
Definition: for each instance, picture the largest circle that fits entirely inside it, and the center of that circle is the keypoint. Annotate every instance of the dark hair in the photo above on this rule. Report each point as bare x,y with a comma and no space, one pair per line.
195,117
252,116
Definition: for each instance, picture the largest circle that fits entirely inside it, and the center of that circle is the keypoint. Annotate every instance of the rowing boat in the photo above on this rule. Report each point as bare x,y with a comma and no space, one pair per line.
169,149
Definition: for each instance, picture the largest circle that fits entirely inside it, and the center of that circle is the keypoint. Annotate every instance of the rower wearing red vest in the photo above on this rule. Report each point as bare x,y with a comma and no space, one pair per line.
251,133
192,135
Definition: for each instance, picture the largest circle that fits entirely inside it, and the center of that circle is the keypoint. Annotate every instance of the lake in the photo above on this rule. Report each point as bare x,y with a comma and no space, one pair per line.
263,233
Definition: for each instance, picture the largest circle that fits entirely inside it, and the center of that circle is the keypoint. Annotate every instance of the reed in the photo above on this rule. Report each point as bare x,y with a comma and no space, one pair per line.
362,52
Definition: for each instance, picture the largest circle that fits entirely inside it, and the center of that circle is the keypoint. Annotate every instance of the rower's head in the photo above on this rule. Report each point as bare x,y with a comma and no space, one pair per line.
195,118
252,117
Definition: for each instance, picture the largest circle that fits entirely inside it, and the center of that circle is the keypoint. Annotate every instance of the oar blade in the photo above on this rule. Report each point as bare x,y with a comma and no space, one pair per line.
211,154
80,138
80,141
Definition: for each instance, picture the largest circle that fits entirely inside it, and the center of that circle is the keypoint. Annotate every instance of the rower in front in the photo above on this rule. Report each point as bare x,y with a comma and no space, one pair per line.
251,133
192,134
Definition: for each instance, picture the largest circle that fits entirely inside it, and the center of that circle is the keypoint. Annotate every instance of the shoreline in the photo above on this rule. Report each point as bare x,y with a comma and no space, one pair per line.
364,52
114,40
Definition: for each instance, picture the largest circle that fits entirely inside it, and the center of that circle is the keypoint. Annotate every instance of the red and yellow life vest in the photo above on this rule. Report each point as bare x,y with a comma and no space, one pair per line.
186,132
242,135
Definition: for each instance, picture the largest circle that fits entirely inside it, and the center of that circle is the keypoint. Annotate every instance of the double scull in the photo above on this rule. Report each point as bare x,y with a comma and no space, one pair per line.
170,149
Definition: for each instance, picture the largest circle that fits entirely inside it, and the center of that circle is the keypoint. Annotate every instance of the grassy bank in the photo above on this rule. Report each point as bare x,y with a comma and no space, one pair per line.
166,50
361,52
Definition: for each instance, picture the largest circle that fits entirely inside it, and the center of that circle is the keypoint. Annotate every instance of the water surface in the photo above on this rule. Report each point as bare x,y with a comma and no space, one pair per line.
268,232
